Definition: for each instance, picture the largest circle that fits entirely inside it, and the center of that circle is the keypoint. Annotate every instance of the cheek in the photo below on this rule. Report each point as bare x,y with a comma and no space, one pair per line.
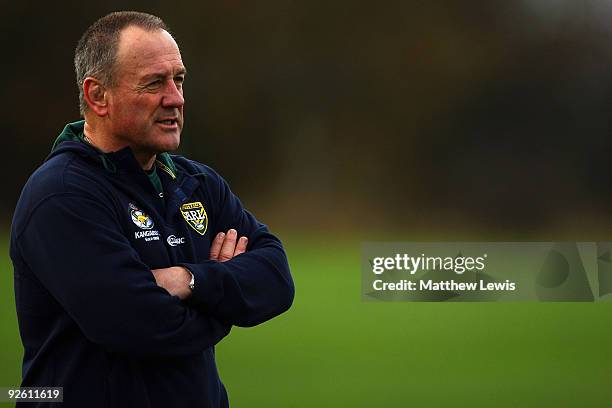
135,110
132,116
121,107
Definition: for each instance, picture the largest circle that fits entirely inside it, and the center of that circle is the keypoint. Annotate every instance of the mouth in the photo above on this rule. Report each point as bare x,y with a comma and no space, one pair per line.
170,123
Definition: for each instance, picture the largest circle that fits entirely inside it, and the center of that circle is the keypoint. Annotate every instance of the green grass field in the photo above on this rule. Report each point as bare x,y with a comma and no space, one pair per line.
333,350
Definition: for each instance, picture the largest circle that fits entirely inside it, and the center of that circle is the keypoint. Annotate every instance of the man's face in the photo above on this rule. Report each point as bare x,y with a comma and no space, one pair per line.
145,106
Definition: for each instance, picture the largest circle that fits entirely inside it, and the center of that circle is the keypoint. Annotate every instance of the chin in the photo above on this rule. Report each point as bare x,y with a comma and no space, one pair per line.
167,144
166,148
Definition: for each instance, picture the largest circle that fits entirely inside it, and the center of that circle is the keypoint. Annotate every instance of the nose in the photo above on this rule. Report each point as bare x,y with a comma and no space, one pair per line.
173,96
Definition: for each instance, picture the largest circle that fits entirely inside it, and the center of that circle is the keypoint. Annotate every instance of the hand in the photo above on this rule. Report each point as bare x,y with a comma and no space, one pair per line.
175,280
224,247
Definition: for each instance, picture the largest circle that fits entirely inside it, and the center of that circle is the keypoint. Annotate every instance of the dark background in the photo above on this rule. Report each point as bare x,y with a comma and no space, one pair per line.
488,118
339,122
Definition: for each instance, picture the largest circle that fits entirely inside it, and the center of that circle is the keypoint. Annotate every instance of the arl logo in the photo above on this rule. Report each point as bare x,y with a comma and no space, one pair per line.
195,215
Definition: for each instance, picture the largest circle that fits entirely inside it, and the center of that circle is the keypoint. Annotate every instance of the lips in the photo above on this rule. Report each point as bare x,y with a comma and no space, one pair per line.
168,123
171,121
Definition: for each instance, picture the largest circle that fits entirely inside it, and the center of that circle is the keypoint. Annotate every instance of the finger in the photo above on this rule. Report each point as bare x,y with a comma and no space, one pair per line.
241,246
229,245
215,248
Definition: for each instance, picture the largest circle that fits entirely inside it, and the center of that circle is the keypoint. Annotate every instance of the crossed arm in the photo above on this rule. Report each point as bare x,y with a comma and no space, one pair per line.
117,301
176,278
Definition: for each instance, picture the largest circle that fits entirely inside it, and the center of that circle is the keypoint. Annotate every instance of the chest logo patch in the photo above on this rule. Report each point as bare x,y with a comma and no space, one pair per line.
142,220
195,215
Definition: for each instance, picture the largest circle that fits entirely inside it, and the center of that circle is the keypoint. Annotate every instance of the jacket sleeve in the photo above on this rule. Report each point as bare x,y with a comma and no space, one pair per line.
75,246
252,287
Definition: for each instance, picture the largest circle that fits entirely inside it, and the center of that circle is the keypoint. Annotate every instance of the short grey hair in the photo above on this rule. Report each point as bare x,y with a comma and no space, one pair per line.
96,51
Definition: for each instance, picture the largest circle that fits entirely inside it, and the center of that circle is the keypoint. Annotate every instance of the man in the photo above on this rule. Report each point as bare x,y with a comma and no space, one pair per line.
122,292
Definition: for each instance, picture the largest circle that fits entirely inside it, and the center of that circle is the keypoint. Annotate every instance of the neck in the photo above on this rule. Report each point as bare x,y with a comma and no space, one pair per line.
106,145
145,161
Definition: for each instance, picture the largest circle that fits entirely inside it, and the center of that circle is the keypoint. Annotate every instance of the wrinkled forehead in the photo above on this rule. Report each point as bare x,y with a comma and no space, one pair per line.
141,52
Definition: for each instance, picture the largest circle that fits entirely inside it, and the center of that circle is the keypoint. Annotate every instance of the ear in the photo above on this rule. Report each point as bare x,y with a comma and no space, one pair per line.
95,95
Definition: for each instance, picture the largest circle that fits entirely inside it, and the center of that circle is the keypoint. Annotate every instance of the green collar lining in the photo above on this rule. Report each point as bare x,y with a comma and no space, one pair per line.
74,132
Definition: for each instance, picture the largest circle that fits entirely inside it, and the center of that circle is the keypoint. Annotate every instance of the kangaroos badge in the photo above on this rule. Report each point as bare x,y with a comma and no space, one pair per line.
195,215
139,218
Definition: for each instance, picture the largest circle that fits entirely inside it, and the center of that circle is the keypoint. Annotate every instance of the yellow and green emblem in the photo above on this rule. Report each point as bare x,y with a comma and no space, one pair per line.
195,215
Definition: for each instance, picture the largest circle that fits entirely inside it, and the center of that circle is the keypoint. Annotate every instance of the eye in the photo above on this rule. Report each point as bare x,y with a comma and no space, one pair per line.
179,80
154,84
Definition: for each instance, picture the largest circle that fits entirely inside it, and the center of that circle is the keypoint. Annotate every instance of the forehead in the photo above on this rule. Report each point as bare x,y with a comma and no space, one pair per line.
141,52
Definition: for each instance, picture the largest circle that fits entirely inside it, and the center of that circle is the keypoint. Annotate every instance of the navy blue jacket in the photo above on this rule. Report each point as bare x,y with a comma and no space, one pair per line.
87,230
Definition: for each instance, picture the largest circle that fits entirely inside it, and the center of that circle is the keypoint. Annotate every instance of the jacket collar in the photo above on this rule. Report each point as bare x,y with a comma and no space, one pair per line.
124,158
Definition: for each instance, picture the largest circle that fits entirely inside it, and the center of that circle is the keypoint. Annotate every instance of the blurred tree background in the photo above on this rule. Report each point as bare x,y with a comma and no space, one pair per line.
422,115
396,120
